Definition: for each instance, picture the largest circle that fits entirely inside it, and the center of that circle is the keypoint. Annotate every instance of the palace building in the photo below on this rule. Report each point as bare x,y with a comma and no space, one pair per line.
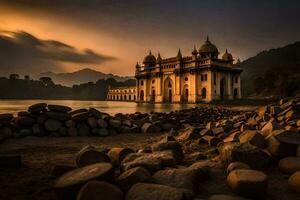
121,93
199,77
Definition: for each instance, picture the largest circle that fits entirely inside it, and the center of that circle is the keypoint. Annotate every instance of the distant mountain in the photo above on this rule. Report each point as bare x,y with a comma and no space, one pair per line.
81,76
272,72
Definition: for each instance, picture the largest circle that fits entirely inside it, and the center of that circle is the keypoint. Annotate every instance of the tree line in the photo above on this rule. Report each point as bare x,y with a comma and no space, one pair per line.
14,87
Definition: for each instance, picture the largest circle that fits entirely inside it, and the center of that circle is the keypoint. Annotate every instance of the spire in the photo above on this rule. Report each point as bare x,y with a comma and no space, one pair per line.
158,59
179,55
137,65
150,52
207,38
238,61
226,51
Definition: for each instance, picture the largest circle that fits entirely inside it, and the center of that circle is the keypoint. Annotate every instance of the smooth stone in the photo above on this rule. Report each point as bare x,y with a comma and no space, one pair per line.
237,165
252,137
248,183
150,128
132,176
59,108
67,186
294,182
102,123
58,115
52,125
118,154
80,116
95,190
59,170
92,122
90,155
37,108
289,165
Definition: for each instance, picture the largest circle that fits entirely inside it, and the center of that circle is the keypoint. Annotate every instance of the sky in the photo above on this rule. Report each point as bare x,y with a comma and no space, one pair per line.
112,35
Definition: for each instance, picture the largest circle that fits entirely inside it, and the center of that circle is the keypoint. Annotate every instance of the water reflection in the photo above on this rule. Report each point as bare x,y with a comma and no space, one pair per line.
111,107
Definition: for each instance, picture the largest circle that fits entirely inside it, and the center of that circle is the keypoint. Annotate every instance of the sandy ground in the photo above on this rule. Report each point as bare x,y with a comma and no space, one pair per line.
39,155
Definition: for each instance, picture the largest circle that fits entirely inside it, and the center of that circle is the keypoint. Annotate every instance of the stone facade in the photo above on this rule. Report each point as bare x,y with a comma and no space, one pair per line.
121,94
201,77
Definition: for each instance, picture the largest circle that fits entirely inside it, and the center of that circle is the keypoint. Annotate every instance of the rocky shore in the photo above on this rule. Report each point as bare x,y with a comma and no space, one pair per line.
246,146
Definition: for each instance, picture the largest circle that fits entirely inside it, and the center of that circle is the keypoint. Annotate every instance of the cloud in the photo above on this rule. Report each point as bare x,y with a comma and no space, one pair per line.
23,53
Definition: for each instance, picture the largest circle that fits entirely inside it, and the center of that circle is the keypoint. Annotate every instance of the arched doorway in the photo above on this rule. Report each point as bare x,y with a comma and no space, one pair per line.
142,95
121,97
153,95
185,93
235,93
222,88
168,90
203,93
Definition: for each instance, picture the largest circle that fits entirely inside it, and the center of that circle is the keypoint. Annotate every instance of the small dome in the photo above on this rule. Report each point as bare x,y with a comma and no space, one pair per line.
195,52
208,47
227,56
150,59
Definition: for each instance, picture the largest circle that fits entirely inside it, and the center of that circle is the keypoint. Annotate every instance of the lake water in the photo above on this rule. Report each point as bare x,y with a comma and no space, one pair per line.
111,107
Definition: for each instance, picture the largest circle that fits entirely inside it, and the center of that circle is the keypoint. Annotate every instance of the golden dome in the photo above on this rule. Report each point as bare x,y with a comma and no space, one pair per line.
149,59
227,56
208,47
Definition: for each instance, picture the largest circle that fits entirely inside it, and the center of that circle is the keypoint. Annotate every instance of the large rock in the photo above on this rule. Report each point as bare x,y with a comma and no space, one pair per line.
24,121
95,190
58,115
132,176
117,154
6,118
248,183
253,137
67,186
146,191
174,146
210,140
102,123
83,129
114,123
289,165
150,128
294,182
246,153
37,108
103,132
90,155
186,178
191,133
150,161
81,116
92,122
59,108
280,149
95,113
237,165
270,127
52,125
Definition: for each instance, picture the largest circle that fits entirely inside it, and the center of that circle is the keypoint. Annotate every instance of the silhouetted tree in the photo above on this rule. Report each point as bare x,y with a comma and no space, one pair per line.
47,81
14,76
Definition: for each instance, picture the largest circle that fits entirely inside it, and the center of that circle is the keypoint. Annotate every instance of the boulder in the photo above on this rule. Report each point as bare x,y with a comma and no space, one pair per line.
246,153
102,123
89,155
67,186
127,123
37,108
237,165
132,176
83,129
248,183
92,122
6,118
191,133
270,127
24,121
37,130
173,146
114,123
146,191
277,148
206,132
81,116
294,182
95,113
150,128
289,165
253,137
72,132
186,178
52,125
95,190
69,123
218,131
150,161
210,140
58,115
117,154
81,110
59,108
